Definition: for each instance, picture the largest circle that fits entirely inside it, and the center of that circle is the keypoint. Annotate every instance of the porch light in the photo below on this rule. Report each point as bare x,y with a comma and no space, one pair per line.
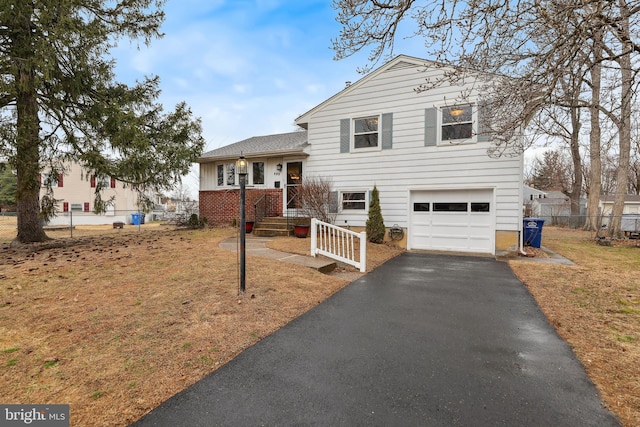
279,167
241,166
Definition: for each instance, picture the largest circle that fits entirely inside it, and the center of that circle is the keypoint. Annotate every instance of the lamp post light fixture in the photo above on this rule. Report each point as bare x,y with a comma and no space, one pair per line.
241,167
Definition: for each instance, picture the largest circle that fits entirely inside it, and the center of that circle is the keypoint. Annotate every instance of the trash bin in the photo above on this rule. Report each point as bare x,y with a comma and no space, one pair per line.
533,231
136,219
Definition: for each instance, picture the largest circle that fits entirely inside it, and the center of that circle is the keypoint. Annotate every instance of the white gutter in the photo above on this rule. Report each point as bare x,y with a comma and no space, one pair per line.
254,155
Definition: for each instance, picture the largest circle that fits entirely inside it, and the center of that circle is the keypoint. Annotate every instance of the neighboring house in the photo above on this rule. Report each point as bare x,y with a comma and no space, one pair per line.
530,193
528,196
552,206
631,204
75,192
426,153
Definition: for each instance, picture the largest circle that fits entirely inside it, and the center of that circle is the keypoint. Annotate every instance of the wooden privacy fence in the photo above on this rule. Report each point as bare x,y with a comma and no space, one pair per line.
339,244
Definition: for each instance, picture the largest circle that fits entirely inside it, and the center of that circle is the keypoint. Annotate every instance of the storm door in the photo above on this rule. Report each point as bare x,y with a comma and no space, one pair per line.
294,178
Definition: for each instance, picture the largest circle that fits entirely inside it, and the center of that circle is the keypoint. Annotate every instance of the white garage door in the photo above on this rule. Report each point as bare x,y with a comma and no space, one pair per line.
456,220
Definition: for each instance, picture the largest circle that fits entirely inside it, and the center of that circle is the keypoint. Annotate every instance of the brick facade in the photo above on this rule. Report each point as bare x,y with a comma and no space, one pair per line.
221,207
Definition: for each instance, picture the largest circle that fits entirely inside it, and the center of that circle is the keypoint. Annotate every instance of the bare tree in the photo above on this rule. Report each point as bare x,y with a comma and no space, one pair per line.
552,172
317,198
594,189
541,45
622,32
634,166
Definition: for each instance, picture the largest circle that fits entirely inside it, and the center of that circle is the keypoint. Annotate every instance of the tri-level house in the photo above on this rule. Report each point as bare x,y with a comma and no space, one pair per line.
426,153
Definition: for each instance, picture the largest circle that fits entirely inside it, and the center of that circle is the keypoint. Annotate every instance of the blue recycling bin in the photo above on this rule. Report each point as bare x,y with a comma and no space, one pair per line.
136,219
533,231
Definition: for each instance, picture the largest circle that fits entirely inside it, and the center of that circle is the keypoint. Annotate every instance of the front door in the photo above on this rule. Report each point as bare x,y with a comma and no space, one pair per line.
294,178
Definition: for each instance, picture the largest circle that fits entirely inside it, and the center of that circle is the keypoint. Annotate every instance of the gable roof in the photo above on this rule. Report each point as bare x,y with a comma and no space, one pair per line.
400,61
552,201
555,194
631,198
292,143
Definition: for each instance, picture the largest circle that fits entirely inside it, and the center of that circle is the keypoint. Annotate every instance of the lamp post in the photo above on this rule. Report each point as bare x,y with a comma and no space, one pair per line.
241,166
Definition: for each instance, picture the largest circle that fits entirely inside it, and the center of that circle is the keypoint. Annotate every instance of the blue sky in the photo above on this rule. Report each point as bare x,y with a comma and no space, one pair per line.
246,67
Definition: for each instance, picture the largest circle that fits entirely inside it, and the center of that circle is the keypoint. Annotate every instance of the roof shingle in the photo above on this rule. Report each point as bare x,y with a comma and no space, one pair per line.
255,146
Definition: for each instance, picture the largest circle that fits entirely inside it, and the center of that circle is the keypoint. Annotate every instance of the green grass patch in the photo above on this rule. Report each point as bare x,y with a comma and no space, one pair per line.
626,338
11,350
97,394
206,360
12,362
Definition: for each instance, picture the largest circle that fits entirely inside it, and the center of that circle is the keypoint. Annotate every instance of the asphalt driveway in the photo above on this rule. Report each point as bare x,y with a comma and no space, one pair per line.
424,340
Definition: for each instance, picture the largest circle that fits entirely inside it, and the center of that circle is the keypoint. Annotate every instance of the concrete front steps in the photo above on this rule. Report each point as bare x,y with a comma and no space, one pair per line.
277,226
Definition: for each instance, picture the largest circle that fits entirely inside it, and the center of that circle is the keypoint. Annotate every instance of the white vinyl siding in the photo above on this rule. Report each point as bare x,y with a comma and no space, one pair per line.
413,163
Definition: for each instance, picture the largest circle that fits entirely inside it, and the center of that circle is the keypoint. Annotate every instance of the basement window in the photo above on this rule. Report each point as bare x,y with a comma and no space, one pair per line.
354,200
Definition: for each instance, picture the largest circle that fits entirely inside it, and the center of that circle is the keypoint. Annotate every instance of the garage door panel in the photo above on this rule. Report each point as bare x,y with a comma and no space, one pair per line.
453,230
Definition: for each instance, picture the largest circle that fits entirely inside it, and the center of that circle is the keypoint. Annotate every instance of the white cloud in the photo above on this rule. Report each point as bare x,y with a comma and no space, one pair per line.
245,67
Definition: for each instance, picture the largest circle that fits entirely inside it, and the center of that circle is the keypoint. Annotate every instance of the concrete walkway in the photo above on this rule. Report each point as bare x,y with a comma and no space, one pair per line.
423,340
257,246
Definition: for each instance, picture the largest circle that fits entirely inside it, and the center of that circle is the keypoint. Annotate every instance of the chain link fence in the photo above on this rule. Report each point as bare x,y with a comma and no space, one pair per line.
79,224
630,223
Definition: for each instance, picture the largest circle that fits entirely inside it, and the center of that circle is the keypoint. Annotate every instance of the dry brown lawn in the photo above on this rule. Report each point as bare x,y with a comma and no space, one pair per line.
113,325
595,306
116,324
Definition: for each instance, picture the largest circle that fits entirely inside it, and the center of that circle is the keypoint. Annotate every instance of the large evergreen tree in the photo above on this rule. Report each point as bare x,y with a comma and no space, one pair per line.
8,186
59,101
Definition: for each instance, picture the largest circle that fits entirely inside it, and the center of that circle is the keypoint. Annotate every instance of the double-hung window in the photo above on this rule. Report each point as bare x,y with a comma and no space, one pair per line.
457,122
53,180
365,132
231,174
220,172
258,173
354,200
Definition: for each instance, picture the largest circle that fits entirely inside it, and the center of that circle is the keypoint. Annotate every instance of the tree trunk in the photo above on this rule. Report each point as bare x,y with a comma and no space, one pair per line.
624,127
27,146
576,190
595,162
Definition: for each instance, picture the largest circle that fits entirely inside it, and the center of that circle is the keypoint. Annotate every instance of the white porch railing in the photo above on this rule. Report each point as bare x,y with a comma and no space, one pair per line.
339,244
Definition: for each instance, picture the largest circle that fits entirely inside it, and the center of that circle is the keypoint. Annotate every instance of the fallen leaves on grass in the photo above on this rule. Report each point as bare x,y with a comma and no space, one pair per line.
115,325
595,307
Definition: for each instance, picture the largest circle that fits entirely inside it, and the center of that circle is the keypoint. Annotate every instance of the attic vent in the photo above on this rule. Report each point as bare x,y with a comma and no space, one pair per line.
347,84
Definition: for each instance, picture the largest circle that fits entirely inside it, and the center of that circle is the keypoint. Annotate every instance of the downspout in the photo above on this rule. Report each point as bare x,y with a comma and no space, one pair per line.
521,242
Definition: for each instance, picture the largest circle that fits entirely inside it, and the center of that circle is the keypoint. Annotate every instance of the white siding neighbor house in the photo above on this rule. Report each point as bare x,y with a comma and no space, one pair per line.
425,152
